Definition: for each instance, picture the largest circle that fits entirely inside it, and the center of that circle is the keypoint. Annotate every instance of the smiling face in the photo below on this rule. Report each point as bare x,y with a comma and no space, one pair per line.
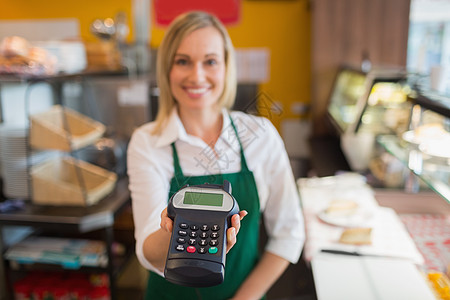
197,75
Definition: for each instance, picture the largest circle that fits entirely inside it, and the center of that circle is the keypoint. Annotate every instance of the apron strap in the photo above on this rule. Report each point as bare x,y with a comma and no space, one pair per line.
176,160
244,166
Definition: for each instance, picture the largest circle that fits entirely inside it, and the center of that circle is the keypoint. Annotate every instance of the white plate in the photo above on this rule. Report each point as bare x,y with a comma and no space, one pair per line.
360,218
436,148
410,137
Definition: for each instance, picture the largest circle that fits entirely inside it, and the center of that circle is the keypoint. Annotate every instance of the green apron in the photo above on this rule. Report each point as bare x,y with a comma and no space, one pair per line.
242,258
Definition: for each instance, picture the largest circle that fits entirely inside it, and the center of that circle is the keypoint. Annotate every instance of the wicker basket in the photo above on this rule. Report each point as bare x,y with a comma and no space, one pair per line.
63,129
72,182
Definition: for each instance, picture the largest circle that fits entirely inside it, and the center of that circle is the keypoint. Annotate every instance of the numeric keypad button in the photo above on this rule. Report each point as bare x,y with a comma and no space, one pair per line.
213,250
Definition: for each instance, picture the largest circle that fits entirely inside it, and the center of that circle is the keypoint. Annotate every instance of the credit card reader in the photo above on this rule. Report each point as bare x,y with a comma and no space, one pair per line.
197,250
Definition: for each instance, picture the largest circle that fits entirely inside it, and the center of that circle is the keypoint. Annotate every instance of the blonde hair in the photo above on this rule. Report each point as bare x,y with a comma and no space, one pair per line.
177,31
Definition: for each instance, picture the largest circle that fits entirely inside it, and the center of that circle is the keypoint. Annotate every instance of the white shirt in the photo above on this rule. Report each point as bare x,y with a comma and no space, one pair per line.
150,169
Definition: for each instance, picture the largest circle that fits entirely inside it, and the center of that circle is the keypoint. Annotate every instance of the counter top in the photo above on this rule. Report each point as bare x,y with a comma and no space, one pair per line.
387,269
389,236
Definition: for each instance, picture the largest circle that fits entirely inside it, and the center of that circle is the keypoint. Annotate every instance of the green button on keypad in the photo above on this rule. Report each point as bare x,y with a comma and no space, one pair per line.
213,250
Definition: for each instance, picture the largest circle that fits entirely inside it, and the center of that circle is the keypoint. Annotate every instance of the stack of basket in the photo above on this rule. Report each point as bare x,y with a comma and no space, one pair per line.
67,180
102,56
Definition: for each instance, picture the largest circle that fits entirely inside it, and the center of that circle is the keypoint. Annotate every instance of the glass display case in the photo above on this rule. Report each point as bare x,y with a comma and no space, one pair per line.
363,105
348,87
385,109
374,101
424,148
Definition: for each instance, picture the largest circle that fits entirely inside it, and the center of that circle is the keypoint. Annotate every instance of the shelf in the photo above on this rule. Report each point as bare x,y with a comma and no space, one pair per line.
60,77
439,103
83,219
100,216
434,172
118,262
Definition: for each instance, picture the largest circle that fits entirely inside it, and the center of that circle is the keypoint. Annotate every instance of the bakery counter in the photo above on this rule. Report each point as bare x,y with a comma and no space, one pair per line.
342,214
426,217
361,238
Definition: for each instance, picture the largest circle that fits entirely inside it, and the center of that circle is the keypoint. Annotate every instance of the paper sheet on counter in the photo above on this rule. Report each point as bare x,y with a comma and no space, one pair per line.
389,236
342,277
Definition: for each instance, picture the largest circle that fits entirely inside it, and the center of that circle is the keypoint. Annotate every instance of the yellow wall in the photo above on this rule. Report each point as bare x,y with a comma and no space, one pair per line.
282,26
85,11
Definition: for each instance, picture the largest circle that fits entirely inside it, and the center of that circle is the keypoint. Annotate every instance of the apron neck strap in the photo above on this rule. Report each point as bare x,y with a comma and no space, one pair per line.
176,160
244,166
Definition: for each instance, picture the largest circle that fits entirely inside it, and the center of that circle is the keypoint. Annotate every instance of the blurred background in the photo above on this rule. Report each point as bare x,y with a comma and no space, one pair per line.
332,76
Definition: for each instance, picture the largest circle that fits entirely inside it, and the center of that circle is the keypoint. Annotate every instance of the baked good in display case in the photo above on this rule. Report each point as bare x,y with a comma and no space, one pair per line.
18,56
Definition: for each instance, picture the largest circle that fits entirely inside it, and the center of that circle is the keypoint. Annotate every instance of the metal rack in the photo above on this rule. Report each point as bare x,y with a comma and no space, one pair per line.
79,220
76,219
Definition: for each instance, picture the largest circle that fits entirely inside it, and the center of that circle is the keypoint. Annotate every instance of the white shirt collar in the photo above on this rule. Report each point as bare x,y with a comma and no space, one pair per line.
175,130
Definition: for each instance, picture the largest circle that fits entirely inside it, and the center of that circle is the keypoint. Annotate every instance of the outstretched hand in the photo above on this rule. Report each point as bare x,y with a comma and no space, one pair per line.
234,229
167,225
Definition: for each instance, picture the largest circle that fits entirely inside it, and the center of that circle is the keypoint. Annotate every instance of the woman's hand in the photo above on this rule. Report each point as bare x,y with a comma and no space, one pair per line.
166,222
234,229
167,225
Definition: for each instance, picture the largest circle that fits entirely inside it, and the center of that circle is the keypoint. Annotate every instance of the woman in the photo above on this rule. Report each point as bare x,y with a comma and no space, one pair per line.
195,139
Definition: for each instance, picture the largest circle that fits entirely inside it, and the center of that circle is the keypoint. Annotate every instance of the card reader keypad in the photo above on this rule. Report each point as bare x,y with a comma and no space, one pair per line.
202,238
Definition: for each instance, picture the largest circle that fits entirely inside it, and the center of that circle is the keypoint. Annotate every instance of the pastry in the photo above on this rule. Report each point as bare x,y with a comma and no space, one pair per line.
341,207
356,236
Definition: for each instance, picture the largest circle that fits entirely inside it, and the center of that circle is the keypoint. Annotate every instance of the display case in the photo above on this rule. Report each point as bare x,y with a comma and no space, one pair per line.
361,106
383,108
348,88
373,102
425,147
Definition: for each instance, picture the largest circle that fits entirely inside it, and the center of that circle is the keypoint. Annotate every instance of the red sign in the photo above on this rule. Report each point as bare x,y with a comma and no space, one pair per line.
228,11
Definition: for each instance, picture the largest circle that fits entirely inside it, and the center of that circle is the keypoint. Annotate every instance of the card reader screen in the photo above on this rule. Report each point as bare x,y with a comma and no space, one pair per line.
207,199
